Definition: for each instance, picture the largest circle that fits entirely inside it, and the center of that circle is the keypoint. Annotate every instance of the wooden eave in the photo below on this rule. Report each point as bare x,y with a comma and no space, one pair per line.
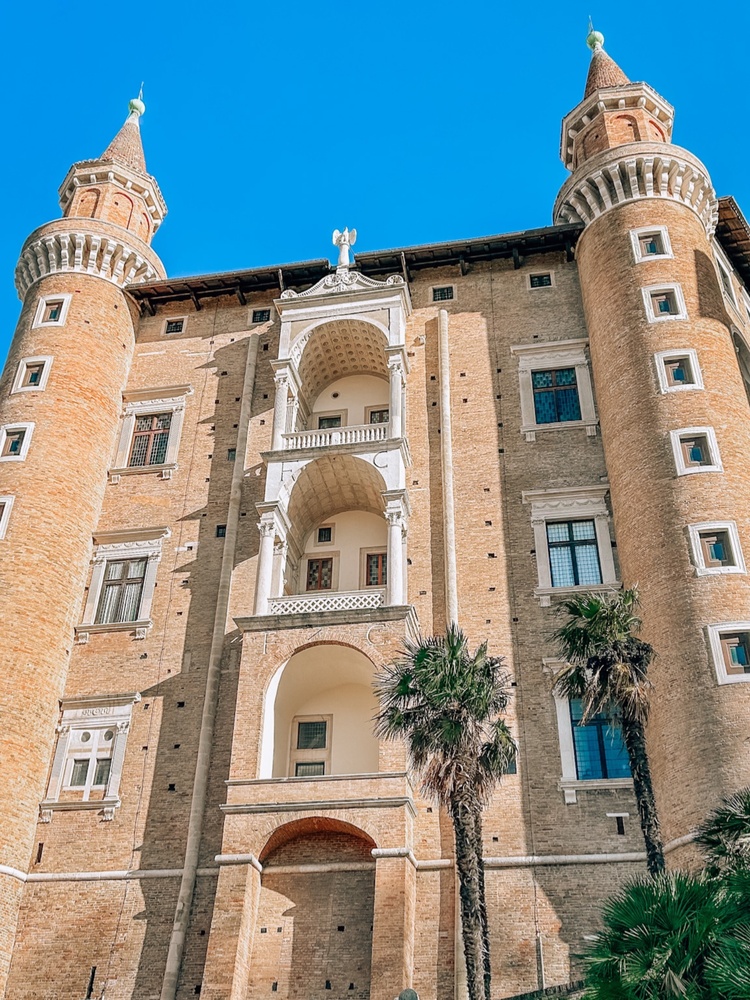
733,233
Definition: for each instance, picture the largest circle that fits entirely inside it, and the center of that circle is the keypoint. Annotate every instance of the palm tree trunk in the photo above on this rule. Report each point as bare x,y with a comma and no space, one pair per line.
479,848
471,913
634,736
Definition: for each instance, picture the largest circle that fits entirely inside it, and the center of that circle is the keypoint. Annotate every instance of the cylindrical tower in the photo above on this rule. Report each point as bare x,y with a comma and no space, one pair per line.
60,404
675,427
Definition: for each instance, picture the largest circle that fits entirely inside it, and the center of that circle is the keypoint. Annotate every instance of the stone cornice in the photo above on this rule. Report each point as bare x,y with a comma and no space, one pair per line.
86,247
634,171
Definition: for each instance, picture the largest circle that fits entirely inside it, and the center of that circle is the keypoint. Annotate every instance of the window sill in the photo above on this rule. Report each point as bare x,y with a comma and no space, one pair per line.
530,430
545,594
570,786
164,470
140,628
693,470
106,805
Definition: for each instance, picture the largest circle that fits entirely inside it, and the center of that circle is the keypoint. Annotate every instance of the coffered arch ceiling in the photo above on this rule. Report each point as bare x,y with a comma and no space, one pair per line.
331,485
340,348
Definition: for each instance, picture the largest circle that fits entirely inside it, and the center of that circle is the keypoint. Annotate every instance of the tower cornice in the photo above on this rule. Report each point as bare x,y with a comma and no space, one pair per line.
635,171
87,172
93,247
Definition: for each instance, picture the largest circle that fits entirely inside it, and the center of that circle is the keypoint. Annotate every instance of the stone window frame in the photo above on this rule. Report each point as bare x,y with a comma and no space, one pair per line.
535,273
376,408
575,503
713,448
317,414
111,546
297,756
325,524
99,712
662,356
440,302
44,302
24,364
569,783
722,264
553,355
19,425
335,556
714,634
6,505
149,402
174,319
665,287
696,549
636,235
364,552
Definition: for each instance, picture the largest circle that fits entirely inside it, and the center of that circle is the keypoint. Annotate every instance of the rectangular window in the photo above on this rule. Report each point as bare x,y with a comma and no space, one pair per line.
716,549
32,375
378,416
150,440
311,746
261,315
735,648
122,588
103,767
6,504
319,574
221,531
376,569
651,244
325,534
726,283
174,326
679,371
664,303
444,294
52,310
695,450
334,420
555,396
312,735
79,773
309,769
573,553
540,280
13,443
599,748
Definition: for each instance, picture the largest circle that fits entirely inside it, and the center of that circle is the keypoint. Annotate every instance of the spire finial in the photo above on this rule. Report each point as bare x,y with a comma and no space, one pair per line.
595,39
136,106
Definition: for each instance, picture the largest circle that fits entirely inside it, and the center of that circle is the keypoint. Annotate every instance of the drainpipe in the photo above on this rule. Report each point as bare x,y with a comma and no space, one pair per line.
446,456
205,740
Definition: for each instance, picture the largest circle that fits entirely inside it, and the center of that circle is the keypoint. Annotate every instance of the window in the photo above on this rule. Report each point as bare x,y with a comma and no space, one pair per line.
325,534
678,370
650,243
122,582
695,450
599,748
32,374
329,420
6,503
175,325
715,548
88,759
726,281
150,439
575,552
122,590
377,415
555,396
376,569
729,645
311,746
261,315
664,302
151,429
442,294
555,386
540,280
52,311
14,442
319,574
221,531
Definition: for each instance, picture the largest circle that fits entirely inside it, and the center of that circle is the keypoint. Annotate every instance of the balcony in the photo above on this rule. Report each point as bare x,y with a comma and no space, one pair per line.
301,604
330,792
325,438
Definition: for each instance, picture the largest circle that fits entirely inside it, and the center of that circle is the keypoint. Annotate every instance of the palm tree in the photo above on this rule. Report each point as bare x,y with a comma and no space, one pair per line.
607,668
676,935
447,703
724,836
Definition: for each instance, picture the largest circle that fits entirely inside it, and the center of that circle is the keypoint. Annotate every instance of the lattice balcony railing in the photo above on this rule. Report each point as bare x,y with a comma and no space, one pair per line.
306,604
325,438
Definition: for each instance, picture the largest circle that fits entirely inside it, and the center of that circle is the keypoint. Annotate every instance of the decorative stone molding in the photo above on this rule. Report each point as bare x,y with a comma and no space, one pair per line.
635,171
343,279
105,256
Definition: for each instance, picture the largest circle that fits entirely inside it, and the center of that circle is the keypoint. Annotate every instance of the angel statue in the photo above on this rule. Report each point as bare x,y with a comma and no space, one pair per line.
343,241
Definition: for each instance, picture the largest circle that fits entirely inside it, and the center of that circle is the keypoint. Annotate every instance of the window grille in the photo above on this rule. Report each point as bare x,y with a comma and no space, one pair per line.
120,599
309,769
573,553
174,326
150,440
540,280
312,735
555,396
261,315
599,748
444,294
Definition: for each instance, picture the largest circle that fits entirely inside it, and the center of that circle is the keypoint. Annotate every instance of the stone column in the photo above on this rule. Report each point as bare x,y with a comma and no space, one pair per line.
267,529
397,380
279,564
395,585
230,944
393,923
281,379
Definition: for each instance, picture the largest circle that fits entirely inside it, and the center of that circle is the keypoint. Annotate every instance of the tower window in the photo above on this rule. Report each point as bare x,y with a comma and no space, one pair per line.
677,370
540,280
695,450
13,443
5,507
726,283
120,599
555,396
716,548
32,374
599,748
150,439
52,311
735,648
174,325
261,315
442,294
573,553
729,644
664,303
650,243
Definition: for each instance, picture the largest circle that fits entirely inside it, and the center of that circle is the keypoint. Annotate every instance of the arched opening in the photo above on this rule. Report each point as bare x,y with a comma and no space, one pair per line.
318,715
88,202
120,209
656,132
625,129
313,935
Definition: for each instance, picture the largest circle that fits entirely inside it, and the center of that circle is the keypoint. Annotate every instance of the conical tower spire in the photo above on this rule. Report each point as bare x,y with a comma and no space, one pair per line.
603,71
126,147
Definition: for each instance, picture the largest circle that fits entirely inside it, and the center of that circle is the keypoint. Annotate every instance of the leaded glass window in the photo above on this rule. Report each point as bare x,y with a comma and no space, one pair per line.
555,396
122,588
319,574
573,553
599,748
150,440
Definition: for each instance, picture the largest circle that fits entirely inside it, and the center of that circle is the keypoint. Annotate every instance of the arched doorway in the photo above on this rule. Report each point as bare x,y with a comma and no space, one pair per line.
313,936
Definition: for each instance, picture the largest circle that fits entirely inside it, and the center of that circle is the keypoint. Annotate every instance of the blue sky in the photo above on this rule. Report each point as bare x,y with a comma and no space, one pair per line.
268,126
